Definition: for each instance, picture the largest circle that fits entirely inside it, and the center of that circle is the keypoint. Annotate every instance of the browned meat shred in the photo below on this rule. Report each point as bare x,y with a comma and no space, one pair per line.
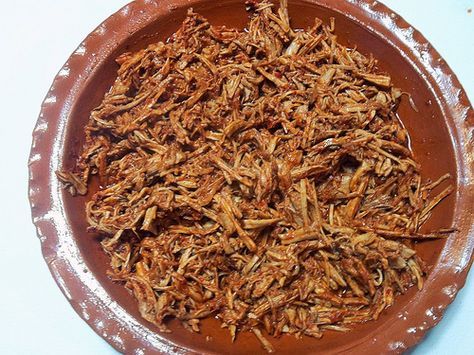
261,177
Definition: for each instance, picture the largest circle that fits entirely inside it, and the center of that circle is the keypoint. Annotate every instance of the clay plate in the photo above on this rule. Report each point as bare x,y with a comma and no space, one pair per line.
442,138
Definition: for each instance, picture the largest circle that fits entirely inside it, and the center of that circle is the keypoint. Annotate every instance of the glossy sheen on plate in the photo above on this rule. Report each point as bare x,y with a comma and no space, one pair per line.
442,137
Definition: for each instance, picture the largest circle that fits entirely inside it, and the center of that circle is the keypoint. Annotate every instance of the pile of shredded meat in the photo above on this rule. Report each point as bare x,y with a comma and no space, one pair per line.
260,177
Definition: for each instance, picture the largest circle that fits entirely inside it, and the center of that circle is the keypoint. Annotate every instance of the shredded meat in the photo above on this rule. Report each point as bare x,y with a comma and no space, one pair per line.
261,177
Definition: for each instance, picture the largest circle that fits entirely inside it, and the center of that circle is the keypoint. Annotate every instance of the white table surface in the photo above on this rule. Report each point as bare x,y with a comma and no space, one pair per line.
36,38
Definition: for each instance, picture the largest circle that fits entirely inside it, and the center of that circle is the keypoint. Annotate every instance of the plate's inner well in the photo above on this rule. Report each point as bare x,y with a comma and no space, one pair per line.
430,142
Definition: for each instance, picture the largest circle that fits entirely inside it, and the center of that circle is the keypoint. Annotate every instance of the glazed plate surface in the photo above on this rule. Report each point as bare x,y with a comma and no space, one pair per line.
442,139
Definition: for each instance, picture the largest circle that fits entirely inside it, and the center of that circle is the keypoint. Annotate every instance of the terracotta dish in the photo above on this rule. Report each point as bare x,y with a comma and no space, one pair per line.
442,138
